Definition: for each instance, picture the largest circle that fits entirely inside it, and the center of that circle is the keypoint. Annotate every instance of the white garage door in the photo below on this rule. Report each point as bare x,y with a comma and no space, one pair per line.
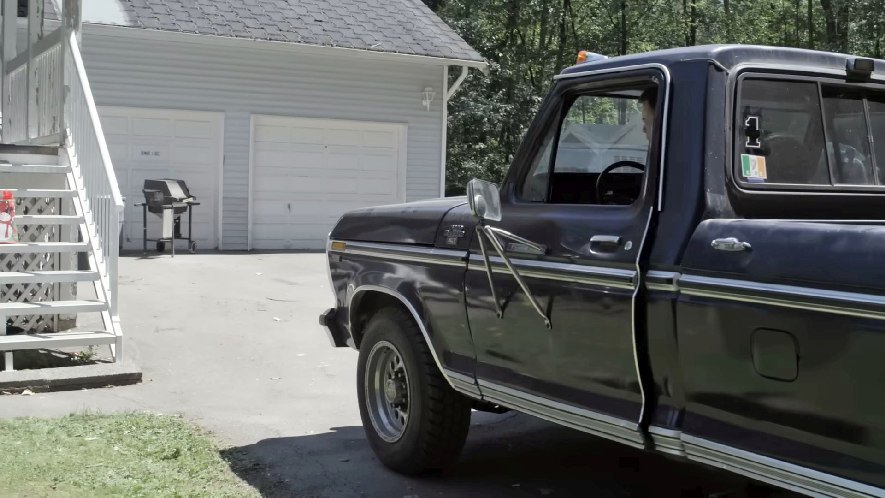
307,172
163,143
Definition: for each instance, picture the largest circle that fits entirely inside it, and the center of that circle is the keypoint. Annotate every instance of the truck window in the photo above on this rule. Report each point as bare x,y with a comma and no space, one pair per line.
781,139
600,152
809,134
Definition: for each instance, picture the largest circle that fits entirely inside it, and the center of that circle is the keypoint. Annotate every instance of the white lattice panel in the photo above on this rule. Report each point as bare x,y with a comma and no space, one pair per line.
33,262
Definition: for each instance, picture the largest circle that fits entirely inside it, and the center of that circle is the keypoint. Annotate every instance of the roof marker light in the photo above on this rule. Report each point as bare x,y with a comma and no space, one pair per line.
585,56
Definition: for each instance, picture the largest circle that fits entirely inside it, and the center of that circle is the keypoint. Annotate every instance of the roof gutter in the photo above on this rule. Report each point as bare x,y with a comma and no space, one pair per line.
448,92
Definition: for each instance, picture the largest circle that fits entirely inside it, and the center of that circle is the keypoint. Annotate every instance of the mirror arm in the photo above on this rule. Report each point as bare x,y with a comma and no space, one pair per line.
516,238
496,244
485,256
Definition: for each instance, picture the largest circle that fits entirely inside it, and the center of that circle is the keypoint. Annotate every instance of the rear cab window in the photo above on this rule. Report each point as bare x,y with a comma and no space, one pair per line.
802,134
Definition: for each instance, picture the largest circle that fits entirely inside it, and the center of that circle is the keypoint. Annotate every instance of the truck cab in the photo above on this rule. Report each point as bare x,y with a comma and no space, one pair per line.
683,257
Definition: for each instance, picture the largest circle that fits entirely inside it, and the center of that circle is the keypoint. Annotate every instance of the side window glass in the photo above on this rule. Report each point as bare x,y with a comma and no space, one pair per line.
600,152
877,131
534,188
782,137
847,125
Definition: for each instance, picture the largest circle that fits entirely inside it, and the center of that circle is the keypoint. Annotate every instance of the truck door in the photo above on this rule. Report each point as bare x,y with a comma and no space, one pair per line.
781,319
582,192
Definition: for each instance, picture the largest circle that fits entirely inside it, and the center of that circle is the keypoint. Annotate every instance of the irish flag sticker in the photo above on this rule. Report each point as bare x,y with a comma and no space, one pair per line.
753,168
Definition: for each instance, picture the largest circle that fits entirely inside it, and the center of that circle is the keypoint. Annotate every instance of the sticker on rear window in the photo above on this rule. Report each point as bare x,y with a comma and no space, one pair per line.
753,168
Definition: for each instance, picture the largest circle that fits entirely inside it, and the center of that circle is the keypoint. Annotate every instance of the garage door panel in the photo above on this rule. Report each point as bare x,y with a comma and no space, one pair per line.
300,189
151,127
271,133
186,128
307,135
289,158
118,151
198,154
153,143
377,186
346,160
289,211
290,184
382,139
283,232
379,162
115,125
352,137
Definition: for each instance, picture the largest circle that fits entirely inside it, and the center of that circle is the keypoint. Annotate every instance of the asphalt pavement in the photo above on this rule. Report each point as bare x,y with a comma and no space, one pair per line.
231,342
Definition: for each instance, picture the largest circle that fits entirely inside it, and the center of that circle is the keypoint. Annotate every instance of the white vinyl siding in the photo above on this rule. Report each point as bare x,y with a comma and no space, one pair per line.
150,69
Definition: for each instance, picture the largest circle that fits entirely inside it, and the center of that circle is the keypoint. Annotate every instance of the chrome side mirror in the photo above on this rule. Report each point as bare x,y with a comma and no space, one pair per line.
484,200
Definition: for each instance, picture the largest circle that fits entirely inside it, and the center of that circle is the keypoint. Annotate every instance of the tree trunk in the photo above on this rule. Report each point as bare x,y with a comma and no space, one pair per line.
728,38
836,21
811,28
622,49
560,50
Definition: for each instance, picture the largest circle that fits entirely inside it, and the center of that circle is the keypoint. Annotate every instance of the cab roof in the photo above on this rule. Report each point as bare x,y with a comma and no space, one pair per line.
728,56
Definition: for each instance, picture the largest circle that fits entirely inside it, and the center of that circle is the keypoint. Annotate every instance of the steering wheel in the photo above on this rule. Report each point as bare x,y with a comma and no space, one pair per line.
854,167
608,169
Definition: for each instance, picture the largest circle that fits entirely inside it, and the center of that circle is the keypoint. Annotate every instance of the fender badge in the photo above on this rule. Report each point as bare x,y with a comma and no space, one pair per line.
453,234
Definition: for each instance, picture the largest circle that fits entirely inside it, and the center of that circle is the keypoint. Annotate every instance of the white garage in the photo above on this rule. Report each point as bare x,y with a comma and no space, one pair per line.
305,173
165,143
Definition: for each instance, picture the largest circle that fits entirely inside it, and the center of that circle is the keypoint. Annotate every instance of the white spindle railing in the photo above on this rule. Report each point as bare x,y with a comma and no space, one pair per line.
103,204
15,113
34,90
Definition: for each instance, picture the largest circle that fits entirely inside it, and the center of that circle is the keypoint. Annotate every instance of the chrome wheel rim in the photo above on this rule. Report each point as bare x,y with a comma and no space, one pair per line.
387,391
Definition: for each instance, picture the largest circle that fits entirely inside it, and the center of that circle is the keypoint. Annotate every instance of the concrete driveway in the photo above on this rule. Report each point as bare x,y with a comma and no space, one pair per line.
231,341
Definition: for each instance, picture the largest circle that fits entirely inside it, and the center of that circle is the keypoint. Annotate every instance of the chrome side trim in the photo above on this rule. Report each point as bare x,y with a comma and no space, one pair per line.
773,471
664,117
402,252
464,383
415,315
622,431
662,280
633,311
667,440
590,275
787,296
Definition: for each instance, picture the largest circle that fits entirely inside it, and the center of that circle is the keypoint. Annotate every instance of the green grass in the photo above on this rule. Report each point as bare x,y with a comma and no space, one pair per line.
113,455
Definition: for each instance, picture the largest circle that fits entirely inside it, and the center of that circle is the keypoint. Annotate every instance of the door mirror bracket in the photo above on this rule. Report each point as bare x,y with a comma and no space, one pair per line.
485,203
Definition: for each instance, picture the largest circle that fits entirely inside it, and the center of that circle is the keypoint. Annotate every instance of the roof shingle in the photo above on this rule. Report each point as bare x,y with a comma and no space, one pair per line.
400,26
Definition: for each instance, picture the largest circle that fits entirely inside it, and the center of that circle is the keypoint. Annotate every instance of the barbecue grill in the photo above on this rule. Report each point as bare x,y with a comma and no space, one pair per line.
168,199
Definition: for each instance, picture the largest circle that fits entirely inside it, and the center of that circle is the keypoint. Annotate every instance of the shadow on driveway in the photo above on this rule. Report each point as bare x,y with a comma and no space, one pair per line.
505,455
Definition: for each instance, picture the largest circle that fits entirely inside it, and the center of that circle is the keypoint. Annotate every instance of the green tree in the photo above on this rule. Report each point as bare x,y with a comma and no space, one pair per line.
527,42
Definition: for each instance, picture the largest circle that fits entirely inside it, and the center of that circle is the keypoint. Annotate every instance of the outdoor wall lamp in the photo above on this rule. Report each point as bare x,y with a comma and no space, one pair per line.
427,97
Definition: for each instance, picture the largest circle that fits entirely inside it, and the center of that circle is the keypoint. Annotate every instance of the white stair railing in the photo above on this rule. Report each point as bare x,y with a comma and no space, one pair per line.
93,172
48,101
34,83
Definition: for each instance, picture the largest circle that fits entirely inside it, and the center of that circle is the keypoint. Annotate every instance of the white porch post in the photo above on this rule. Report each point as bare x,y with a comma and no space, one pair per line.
35,33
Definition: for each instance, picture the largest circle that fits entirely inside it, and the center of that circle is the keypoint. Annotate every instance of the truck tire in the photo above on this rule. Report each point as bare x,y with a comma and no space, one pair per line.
414,421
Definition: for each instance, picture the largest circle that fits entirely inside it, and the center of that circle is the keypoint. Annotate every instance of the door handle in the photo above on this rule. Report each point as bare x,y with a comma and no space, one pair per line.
604,243
731,244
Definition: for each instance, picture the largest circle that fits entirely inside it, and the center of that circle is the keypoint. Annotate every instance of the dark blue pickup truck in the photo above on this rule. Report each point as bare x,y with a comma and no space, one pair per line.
687,255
